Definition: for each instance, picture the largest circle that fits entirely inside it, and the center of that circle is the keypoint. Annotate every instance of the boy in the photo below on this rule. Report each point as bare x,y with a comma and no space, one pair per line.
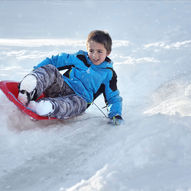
89,74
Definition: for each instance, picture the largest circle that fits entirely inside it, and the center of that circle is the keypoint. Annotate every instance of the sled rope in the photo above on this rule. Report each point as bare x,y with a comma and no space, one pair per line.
100,110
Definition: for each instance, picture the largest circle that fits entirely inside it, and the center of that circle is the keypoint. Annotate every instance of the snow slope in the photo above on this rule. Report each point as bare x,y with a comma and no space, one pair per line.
151,52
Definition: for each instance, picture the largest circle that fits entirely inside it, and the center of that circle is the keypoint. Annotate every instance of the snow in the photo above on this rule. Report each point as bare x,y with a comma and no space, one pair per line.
151,52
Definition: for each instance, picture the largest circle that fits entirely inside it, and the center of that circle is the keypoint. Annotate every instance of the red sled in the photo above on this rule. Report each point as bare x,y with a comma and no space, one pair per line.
10,89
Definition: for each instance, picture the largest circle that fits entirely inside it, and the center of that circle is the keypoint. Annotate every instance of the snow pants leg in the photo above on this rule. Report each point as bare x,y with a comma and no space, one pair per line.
66,103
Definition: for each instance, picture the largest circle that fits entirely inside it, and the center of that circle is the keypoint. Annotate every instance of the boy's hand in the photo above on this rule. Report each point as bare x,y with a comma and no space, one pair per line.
116,120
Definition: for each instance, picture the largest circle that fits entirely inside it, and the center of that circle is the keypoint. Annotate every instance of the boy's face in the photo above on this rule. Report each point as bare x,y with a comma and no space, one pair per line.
96,52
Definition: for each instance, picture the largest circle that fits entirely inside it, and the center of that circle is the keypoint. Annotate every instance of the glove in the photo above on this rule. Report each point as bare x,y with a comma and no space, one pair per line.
116,120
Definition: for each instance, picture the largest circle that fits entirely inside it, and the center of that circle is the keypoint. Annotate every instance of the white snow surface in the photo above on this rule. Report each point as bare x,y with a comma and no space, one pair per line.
151,151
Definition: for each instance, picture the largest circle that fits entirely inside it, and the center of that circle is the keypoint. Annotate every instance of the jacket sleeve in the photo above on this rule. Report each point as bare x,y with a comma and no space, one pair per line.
112,97
59,61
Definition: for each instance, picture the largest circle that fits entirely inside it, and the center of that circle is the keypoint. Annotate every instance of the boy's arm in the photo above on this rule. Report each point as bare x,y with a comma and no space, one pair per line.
113,99
58,61
114,103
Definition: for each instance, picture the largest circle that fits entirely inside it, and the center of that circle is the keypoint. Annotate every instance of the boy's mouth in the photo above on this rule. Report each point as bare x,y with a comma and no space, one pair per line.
96,60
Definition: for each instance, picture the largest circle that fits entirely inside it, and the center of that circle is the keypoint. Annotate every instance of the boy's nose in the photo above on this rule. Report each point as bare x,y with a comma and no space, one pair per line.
94,55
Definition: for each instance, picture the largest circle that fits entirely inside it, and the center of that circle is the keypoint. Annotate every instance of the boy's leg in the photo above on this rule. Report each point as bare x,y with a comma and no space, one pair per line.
60,102
51,82
62,107
45,79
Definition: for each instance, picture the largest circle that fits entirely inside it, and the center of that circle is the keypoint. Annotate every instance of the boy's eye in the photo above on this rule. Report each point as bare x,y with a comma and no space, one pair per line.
98,51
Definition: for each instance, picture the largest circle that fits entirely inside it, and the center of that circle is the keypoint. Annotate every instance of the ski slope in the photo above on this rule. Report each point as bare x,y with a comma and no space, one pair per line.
151,51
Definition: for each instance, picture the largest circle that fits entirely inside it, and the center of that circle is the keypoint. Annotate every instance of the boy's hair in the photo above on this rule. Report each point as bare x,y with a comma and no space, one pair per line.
100,37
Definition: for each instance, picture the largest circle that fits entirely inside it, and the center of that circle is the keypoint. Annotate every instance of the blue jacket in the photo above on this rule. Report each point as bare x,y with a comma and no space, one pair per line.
89,80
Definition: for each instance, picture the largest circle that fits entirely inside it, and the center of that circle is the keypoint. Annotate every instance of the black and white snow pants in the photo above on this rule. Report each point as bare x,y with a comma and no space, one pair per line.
50,82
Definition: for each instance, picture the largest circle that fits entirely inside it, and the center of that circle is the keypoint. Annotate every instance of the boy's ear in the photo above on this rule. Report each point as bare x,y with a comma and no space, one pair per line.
108,53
